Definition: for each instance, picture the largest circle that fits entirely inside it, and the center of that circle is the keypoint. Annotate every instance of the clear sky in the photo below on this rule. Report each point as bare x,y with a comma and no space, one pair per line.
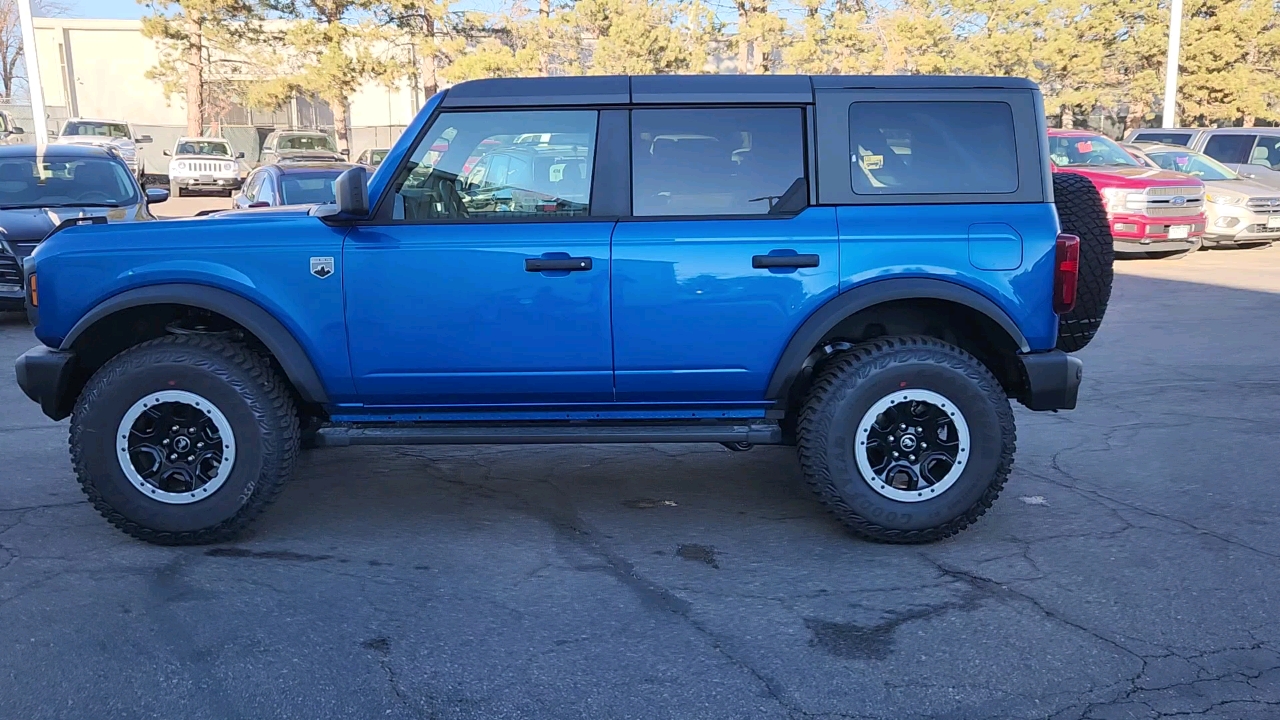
118,9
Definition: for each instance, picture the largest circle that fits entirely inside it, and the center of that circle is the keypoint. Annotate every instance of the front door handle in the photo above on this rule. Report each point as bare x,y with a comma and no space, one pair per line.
784,261
564,264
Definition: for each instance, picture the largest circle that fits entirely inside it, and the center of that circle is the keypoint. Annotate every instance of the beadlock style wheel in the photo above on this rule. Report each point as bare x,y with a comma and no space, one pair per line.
175,447
912,445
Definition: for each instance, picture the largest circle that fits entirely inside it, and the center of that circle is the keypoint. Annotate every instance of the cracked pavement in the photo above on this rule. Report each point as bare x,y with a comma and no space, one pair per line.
1128,570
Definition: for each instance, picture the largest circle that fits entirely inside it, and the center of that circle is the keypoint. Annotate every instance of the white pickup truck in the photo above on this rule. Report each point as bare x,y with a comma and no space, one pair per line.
203,164
111,134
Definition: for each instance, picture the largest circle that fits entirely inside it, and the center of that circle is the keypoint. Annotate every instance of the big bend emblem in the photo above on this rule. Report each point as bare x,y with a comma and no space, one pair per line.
322,267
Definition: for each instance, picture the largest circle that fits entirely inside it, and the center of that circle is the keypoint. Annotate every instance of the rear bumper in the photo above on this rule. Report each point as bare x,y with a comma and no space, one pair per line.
45,374
1053,380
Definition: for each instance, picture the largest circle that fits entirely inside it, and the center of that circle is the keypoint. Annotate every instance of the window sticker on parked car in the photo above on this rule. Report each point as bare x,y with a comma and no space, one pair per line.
873,162
1084,146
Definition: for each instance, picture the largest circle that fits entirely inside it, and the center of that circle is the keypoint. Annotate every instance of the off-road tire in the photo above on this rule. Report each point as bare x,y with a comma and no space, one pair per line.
244,387
847,385
1081,213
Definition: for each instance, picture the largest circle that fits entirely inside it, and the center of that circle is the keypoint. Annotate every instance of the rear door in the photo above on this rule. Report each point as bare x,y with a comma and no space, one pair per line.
722,256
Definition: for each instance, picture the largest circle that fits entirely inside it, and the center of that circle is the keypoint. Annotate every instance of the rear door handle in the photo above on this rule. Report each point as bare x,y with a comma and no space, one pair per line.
784,261
569,264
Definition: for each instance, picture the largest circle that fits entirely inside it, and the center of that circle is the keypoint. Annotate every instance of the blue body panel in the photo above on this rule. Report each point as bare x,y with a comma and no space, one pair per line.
446,314
939,241
693,321
263,257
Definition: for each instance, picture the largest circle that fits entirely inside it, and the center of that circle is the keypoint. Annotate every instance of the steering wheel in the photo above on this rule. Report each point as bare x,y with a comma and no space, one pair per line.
93,195
1096,160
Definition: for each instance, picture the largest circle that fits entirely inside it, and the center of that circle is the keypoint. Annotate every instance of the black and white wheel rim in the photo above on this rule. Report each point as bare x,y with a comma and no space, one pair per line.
175,447
912,445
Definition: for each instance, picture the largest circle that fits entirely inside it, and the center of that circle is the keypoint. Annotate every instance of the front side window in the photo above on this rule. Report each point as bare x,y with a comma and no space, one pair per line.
306,142
78,182
1232,149
266,190
484,166
251,186
1266,152
701,162
1201,166
96,129
306,188
929,148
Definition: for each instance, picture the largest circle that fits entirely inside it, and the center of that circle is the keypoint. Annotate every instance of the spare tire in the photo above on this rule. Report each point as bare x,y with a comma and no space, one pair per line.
1081,213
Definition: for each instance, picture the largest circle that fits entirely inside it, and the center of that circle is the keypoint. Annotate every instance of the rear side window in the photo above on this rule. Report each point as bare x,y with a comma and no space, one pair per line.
930,148
300,189
1267,152
1164,138
1229,148
703,162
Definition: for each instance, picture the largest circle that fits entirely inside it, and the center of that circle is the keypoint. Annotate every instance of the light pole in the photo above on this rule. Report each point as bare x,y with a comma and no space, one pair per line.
1171,65
41,128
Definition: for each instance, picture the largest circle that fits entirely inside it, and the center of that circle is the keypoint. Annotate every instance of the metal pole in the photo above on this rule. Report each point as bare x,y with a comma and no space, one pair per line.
40,118
1171,65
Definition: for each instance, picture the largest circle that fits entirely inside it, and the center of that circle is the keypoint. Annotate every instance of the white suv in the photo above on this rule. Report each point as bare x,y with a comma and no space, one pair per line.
112,134
203,163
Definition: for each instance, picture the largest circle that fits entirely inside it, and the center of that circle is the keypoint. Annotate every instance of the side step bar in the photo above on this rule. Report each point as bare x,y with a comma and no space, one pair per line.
535,434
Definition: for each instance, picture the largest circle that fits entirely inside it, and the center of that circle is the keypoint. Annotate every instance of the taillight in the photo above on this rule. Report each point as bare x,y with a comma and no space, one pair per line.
1066,273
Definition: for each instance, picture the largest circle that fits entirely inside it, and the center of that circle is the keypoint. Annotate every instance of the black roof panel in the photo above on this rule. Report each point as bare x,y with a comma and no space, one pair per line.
514,92
920,82
721,89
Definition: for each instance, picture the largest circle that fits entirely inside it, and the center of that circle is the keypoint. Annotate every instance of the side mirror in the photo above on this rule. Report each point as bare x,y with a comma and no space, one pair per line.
346,151
166,153
17,130
142,139
259,203
156,195
351,195
239,156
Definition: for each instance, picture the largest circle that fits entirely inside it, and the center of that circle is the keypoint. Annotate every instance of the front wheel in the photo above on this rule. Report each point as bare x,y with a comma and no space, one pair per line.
184,440
906,439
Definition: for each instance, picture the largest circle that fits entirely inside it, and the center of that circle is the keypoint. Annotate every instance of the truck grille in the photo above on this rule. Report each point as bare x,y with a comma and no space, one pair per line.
10,270
1264,205
203,166
1172,191
1174,201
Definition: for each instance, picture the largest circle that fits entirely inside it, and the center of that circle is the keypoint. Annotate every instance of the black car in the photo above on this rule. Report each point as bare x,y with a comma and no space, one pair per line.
293,183
67,181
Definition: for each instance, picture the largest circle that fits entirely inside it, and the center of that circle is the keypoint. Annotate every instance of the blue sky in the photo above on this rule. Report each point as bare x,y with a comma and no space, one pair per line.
119,9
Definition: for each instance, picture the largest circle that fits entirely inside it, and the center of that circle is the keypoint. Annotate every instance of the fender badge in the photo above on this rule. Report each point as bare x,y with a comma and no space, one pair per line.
322,267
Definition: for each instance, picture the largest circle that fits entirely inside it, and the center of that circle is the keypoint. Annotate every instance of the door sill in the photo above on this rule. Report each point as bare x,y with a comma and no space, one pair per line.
437,433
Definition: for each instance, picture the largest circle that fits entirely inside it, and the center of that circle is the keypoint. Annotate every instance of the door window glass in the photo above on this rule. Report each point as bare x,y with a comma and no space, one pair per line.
499,165
267,191
717,162
1266,152
251,187
928,148
1230,148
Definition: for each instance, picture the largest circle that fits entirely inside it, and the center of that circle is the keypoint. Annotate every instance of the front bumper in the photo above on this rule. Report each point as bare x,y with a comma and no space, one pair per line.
1053,380
45,375
1235,224
1139,233
213,183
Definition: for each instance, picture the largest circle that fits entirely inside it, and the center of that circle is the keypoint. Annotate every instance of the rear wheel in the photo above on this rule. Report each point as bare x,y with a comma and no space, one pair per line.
906,439
184,440
1081,213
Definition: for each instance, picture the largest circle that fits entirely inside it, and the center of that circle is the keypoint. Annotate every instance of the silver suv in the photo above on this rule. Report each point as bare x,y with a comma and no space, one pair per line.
1252,152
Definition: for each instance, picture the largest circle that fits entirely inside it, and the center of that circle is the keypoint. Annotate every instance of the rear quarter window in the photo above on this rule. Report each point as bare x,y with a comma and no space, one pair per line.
932,148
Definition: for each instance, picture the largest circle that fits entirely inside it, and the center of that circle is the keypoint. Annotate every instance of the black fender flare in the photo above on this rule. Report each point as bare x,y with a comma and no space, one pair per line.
874,293
283,345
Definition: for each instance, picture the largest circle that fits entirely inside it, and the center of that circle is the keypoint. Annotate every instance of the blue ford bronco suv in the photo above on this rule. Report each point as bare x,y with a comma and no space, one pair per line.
867,268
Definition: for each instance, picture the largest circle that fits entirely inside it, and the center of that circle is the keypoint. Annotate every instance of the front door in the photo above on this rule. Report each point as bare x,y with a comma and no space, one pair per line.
485,280
722,258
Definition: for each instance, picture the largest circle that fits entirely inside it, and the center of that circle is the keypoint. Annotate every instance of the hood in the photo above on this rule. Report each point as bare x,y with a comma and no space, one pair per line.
1242,188
276,211
23,229
309,155
1130,176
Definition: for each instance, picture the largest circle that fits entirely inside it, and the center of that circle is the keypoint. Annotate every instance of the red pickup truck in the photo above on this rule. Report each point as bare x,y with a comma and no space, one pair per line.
1151,211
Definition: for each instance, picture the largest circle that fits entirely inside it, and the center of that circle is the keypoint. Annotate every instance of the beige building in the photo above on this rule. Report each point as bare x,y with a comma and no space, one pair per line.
98,69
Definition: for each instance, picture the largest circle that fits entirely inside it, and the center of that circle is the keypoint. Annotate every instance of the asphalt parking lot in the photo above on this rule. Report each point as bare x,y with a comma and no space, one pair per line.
1128,571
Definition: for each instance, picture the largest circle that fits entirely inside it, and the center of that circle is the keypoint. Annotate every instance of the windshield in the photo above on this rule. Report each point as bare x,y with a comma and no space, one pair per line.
216,148
307,142
74,182
1095,150
81,128
307,188
1191,163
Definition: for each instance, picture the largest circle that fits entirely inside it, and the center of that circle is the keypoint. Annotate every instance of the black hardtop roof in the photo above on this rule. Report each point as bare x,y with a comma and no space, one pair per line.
701,89
310,166
54,151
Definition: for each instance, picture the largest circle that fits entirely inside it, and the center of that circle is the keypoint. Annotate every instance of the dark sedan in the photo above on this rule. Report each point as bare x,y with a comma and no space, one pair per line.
294,183
66,181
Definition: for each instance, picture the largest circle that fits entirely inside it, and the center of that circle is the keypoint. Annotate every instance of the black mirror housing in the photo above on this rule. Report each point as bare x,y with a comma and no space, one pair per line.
142,139
351,196
166,153
240,156
18,131
156,195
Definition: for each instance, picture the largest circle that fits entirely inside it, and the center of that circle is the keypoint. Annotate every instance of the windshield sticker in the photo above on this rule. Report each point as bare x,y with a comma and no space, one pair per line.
873,162
1084,146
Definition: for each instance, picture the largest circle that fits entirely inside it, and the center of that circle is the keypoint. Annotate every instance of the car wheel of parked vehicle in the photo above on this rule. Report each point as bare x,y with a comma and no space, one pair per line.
184,439
906,439
1081,213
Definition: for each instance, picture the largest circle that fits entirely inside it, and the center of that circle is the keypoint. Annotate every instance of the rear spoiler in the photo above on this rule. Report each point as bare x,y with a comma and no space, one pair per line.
73,222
